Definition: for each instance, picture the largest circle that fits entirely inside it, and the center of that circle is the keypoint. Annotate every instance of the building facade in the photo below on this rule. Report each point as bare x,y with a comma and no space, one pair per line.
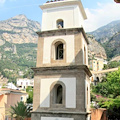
10,97
23,83
96,65
61,81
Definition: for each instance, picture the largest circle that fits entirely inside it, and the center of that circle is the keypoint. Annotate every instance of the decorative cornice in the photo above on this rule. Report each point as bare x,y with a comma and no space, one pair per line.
61,112
45,70
63,3
58,32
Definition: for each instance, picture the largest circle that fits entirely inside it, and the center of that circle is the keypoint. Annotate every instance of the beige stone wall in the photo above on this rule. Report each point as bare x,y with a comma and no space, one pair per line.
87,98
73,41
80,76
57,71
56,115
40,52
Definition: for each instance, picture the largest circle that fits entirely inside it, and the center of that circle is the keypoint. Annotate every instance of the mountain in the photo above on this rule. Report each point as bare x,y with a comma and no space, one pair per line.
18,47
95,49
103,34
112,46
109,37
16,60
19,30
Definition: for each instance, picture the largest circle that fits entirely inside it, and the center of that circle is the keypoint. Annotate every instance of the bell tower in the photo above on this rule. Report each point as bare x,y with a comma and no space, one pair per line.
61,81
67,13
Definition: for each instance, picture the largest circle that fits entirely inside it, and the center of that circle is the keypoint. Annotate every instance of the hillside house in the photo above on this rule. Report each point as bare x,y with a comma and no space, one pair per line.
24,83
9,97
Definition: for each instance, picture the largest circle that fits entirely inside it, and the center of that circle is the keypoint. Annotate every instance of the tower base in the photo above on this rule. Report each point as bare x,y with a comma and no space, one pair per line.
60,116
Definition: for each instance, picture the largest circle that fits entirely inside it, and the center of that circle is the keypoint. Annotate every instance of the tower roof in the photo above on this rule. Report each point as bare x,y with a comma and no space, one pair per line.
59,3
117,1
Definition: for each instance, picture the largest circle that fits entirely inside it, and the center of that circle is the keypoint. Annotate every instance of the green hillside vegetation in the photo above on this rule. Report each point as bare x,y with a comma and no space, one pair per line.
104,33
23,60
109,37
107,94
112,64
112,47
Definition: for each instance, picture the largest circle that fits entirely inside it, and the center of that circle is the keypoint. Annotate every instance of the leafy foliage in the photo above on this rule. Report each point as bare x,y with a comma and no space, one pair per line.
111,87
29,90
112,64
109,90
20,111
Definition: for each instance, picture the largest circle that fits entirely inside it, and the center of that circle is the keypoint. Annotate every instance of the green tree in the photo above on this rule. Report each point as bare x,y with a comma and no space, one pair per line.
29,90
20,111
112,64
109,89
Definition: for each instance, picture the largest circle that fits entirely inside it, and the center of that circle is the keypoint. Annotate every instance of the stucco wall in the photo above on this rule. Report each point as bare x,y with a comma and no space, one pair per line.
45,91
69,39
86,47
71,15
73,46
17,98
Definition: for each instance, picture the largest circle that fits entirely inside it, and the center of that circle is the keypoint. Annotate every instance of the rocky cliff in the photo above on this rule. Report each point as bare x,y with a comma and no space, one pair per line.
95,49
103,34
19,30
109,37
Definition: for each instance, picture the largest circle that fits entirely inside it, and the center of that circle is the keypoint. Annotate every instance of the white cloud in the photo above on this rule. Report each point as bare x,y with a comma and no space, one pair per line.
12,0
104,14
2,1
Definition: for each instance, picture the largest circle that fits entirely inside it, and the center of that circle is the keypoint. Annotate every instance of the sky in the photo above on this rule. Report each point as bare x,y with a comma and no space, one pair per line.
99,12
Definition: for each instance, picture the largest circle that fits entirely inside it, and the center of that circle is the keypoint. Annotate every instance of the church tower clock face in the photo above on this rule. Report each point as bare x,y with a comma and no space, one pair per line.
61,81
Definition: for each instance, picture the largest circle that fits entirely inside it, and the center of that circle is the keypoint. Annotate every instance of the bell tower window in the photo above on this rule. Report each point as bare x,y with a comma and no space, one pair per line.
59,51
60,24
58,96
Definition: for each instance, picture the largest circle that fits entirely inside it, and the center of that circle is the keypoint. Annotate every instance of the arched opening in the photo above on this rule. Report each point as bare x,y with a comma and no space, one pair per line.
97,79
84,55
60,23
59,51
87,96
58,94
